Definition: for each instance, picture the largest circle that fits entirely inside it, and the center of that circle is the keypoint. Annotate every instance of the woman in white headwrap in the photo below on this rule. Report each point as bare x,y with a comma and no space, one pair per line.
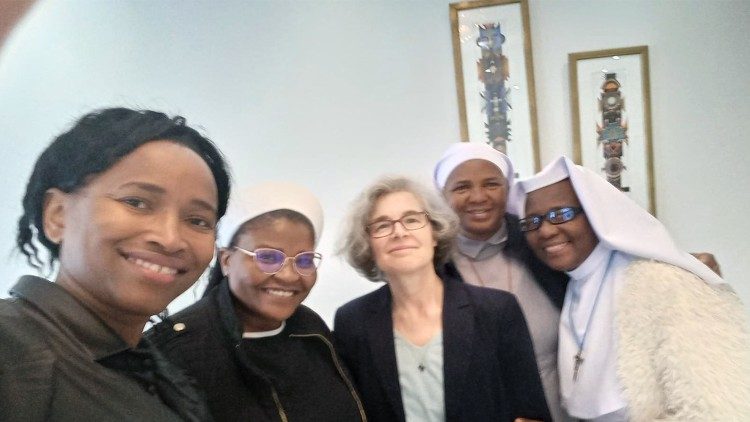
647,331
253,348
475,179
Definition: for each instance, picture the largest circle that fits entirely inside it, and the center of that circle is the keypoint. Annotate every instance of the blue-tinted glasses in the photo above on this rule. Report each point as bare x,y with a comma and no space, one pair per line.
271,261
554,216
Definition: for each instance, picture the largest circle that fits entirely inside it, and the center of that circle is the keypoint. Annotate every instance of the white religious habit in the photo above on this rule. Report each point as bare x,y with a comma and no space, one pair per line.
597,380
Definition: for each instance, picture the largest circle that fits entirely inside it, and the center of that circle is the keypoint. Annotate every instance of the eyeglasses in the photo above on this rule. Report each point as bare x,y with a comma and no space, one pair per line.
412,221
271,261
554,216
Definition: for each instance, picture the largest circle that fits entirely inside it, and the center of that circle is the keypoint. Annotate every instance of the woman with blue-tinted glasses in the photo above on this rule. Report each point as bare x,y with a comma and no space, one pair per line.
253,348
647,332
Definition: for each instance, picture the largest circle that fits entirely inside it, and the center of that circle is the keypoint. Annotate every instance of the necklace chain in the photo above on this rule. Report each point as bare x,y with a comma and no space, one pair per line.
578,358
418,353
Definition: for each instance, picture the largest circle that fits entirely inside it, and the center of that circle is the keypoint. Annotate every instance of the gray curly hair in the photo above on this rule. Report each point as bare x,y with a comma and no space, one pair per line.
355,242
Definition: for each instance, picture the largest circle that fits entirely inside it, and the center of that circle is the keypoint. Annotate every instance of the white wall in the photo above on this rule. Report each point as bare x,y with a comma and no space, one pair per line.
334,93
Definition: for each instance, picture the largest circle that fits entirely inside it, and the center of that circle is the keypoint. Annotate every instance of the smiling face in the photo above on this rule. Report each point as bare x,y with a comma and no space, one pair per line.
565,246
476,190
137,235
403,251
265,300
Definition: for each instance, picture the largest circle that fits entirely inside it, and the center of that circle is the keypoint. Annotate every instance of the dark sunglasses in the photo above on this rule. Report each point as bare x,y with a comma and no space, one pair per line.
554,216
271,261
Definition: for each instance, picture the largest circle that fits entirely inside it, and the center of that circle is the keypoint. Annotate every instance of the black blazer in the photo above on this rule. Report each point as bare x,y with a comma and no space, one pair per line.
489,369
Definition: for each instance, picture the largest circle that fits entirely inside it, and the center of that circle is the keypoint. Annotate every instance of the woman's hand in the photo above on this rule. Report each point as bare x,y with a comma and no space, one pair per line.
709,259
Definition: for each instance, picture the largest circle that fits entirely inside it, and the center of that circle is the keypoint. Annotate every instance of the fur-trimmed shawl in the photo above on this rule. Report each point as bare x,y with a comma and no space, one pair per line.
683,347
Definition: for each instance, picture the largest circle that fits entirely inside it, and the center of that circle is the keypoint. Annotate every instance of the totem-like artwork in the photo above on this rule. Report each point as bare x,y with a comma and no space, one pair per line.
492,69
613,131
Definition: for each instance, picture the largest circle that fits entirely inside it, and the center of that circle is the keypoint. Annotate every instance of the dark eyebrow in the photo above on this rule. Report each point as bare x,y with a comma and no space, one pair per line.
145,186
461,182
158,190
205,205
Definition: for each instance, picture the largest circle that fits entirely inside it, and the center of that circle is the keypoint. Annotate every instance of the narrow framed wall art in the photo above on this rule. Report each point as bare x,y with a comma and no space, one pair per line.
495,78
611,111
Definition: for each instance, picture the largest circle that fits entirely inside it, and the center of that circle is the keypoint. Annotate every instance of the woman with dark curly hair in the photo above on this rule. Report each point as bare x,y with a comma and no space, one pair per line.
426,347
125,204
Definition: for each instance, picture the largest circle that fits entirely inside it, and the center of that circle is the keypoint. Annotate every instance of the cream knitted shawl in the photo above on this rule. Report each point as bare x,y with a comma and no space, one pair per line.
683,347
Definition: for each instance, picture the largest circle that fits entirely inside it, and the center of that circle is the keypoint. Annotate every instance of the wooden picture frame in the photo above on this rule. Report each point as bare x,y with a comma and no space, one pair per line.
611,112
495,78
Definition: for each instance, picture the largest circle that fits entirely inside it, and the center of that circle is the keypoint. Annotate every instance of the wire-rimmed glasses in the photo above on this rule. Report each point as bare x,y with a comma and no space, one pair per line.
271,261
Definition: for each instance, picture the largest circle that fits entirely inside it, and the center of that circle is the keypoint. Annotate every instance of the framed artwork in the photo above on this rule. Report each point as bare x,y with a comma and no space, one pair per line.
611,110
495,78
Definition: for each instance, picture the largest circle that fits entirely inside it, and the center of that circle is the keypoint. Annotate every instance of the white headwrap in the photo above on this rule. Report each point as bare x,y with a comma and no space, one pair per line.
251,202
461,152
619,223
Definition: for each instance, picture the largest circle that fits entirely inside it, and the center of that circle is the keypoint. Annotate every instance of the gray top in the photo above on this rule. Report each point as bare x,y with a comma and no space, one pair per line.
420,375
484,263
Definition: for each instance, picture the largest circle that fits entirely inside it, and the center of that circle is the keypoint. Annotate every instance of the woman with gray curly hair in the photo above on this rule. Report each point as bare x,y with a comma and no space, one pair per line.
425,346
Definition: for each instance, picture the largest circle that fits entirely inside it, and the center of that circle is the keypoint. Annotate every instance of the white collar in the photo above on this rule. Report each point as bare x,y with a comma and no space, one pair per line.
261,334
591,263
